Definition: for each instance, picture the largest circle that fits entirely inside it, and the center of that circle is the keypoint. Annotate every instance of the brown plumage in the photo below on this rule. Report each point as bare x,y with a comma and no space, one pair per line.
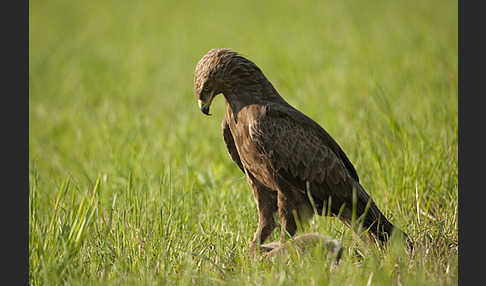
294,167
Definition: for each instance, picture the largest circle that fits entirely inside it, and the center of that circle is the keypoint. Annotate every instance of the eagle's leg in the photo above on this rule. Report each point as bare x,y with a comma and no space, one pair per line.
294,209
266,200
287,213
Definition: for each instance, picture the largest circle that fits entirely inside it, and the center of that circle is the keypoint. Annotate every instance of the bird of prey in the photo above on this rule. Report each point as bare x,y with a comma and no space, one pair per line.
294,167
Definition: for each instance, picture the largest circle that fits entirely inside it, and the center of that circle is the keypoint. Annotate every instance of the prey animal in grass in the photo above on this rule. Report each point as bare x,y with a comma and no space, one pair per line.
294,167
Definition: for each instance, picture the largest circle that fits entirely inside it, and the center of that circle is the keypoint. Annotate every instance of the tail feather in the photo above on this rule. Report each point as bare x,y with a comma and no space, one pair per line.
369,216
354,208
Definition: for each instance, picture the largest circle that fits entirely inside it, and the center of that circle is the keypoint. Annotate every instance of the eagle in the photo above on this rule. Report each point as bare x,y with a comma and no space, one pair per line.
294,167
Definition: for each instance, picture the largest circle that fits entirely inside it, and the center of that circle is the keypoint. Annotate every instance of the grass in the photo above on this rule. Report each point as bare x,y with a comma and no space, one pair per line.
130,184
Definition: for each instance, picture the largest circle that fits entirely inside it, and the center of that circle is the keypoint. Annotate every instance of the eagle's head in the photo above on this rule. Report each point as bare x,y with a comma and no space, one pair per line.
208,76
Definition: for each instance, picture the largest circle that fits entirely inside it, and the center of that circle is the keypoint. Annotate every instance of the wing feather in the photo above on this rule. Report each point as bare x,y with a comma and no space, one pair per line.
230,144
293,144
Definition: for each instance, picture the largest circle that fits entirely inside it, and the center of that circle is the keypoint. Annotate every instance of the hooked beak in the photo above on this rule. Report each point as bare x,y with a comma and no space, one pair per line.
204,107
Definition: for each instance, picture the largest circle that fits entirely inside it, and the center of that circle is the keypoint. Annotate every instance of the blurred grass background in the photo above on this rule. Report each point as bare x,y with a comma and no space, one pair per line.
130,184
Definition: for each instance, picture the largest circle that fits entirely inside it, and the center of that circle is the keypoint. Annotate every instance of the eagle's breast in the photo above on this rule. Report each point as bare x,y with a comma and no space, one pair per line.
244,132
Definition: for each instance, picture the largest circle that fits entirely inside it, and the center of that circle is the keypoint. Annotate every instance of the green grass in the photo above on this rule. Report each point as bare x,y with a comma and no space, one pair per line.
130,184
